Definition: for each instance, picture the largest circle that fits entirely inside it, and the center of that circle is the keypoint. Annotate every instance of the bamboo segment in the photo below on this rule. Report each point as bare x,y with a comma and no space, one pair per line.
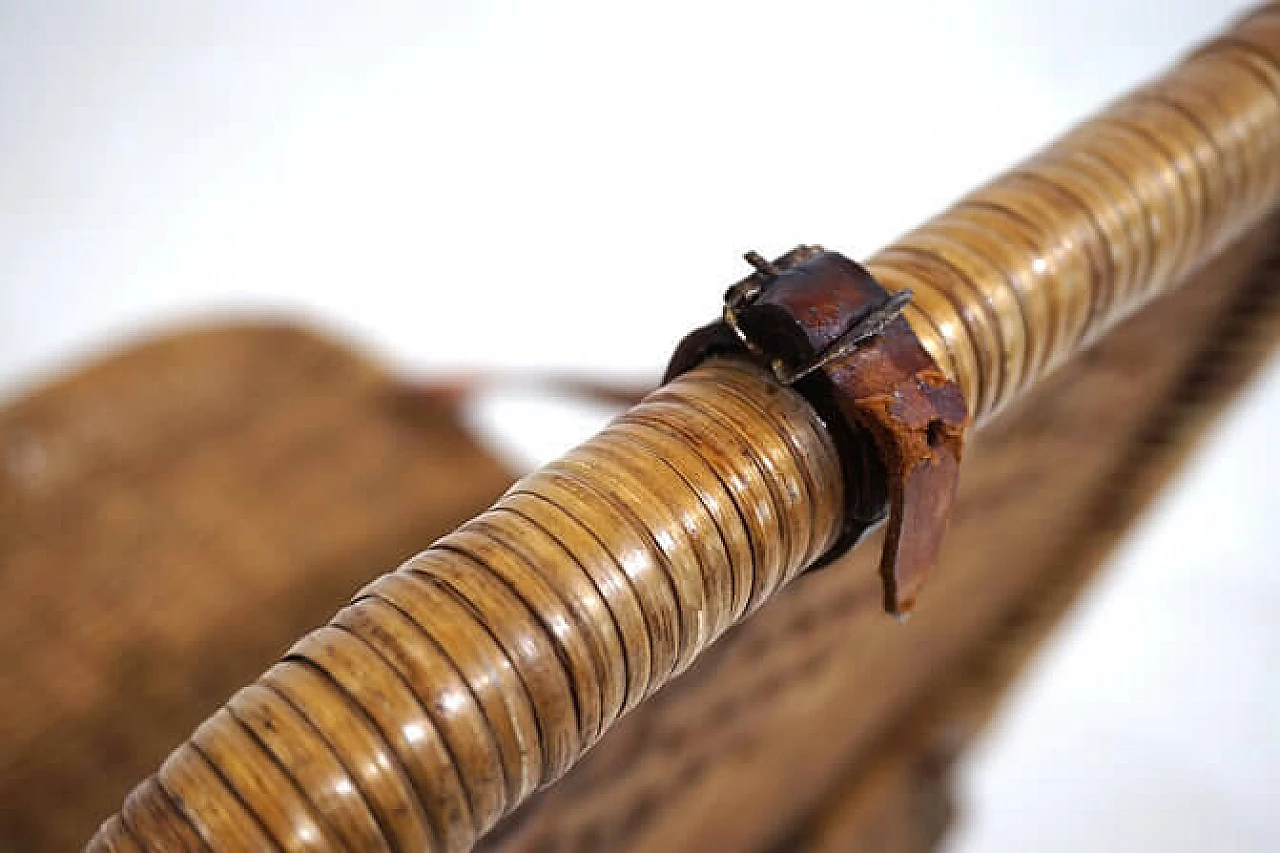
1018,274
482,669
451,689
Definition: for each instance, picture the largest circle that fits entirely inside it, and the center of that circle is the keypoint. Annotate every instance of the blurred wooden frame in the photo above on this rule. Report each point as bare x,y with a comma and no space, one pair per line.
173,517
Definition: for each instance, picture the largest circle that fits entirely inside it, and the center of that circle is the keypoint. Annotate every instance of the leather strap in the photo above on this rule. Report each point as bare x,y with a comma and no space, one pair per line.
820,322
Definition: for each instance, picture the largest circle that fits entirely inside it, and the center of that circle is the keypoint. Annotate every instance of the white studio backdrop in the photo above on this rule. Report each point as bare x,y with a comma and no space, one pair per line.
585,176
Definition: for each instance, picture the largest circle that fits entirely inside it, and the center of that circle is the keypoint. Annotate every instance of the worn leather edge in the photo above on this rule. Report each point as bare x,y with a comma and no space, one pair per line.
896,418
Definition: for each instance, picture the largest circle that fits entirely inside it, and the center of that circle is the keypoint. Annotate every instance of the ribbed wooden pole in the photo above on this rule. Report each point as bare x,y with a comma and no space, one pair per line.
451,689
1019,274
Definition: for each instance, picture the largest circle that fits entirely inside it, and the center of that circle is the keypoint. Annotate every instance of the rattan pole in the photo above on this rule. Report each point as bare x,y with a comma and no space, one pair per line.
1019,274
451,689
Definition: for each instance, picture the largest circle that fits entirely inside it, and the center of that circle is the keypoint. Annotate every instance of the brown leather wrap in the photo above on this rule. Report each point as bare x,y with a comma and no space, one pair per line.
896,418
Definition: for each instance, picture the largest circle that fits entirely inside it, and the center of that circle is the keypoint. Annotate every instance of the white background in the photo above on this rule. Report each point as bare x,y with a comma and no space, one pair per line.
587,175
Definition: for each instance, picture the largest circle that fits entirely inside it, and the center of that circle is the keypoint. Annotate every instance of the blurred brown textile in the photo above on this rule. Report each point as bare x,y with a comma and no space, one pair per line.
171,520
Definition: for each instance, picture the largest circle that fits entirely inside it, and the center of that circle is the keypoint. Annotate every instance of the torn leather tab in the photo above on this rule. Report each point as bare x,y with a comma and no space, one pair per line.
820,322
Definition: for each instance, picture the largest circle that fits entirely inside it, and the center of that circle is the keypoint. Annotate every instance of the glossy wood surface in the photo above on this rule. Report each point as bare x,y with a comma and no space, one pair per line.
1018,274
484,668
